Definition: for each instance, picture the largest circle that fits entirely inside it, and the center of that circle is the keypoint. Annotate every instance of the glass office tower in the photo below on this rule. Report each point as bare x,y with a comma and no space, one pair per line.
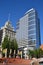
28,30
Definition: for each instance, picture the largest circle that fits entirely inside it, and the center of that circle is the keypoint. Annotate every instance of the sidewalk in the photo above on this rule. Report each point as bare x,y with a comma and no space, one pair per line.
13,64
17,61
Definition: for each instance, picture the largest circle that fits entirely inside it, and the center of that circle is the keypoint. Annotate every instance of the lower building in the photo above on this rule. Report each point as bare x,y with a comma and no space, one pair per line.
8,30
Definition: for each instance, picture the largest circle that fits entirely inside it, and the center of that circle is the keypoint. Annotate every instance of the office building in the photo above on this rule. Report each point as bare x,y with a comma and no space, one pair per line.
28,30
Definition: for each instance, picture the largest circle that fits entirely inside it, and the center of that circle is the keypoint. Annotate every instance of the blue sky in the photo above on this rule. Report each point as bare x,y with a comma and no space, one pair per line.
17,8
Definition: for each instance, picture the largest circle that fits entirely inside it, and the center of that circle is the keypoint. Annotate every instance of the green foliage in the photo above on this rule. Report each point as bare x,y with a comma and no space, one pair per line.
8,44
37,53
16,45
31,53
5,42
13,46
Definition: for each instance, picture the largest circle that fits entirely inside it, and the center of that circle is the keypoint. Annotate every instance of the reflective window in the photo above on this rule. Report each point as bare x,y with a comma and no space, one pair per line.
32,22
31,18
32,42
32,13
17,23
31,32
17,27
31,27
32,37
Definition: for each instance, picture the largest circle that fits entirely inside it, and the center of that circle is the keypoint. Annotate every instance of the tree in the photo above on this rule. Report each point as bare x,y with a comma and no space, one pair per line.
9,44
37,53
6,45
31,53
13,46
16,45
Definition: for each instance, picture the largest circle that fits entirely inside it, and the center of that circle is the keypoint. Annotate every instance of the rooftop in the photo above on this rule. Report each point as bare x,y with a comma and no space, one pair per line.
30,10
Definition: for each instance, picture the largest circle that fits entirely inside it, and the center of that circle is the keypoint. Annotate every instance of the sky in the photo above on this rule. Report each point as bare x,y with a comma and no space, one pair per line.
17,8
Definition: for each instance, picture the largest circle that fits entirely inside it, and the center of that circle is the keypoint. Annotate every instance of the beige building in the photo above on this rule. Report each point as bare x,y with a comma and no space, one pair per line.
7,29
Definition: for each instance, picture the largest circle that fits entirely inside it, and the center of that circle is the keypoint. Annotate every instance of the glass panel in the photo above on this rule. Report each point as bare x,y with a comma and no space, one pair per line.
31,27
32,37
32,22
17,27
32,13
32,32
31,18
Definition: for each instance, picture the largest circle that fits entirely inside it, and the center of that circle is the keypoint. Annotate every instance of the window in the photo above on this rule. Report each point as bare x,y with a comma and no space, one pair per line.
32,42
31,27
32,22
32,37
17,23
32,13
17,27
31,18
31,32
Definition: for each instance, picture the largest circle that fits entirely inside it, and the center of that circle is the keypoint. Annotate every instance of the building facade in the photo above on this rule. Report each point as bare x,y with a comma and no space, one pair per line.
28,30
8,30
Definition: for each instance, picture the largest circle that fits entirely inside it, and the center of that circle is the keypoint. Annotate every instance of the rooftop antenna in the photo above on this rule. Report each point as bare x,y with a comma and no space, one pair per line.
9,17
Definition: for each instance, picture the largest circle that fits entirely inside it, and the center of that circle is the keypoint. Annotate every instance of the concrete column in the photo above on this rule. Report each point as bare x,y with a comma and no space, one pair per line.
21,54
5,53
10,53
14,53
